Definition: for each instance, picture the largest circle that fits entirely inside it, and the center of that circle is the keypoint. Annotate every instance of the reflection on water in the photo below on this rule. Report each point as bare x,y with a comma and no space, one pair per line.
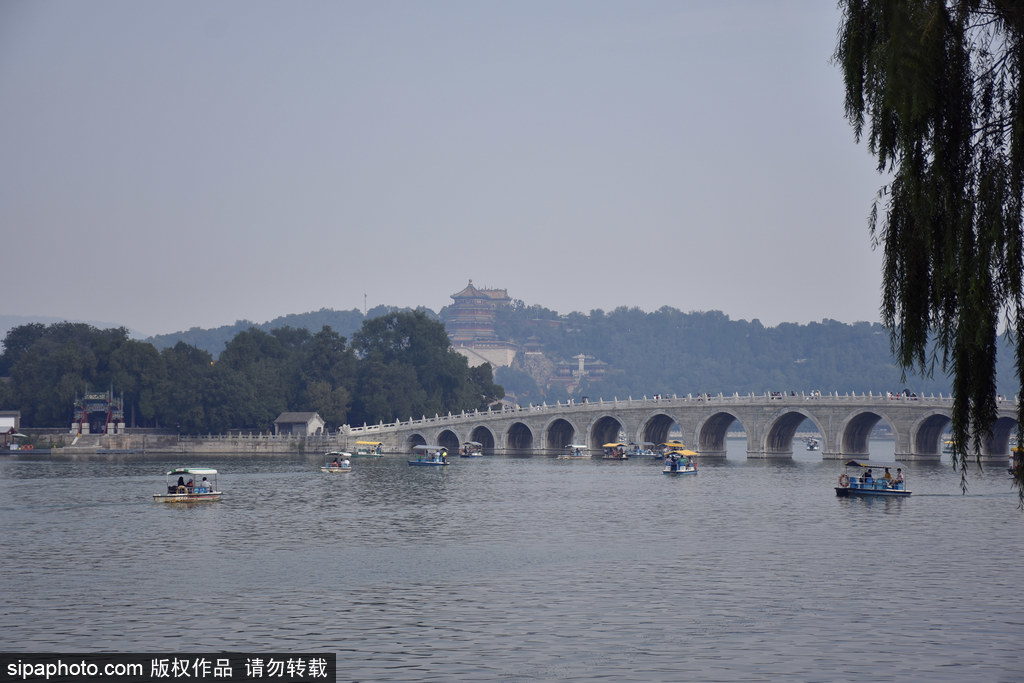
522,568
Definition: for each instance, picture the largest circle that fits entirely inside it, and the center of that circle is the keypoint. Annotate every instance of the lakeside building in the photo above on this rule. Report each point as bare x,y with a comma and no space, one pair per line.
569,375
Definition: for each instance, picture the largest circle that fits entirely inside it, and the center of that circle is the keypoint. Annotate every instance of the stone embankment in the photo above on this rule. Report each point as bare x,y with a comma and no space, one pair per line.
148,441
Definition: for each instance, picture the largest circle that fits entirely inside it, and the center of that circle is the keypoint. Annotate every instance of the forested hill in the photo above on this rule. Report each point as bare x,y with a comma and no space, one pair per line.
670,352
213,341
666,351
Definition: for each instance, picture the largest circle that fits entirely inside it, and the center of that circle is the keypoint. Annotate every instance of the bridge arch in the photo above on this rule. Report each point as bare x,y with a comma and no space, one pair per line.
519,437
415,439
449,440
712,431
926,433
604,429
778,438
998,440
855,431
559,433
656,427
483,436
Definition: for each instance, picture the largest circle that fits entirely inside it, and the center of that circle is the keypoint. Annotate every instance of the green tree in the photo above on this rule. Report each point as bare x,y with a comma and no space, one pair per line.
187,376
135,370
52,366
254,378
327,376
17,343
935,86
408,365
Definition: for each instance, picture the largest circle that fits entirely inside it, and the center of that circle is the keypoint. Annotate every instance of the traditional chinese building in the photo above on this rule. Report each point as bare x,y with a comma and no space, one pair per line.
470,319
470,324
569,375
98,413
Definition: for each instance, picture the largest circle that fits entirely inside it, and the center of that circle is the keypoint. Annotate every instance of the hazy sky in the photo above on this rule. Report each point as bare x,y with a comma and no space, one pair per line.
175,164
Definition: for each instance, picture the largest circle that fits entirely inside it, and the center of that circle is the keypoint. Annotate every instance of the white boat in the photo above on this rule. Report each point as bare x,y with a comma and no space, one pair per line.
339,464
575,451
813,445
471,449
193,484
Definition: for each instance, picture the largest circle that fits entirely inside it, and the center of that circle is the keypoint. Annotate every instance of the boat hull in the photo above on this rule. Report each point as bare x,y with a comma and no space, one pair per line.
186,497
426,463
679,472
847,492
335,470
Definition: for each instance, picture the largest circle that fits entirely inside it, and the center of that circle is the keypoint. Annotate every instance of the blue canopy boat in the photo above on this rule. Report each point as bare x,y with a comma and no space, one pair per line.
863,482
430,456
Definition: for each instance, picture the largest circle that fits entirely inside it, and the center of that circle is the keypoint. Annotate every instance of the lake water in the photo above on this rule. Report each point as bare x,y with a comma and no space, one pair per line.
523,569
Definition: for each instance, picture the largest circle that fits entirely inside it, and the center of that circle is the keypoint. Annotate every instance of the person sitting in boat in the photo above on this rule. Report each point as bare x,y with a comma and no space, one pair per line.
345,463
887,477
335,463
899,478
204,486
190,486
867,478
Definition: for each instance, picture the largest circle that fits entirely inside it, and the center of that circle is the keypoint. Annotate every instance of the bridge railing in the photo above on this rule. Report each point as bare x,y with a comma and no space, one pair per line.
660,400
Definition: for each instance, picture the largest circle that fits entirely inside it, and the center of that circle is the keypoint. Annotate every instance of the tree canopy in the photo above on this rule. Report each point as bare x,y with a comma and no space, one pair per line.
400,366
935,87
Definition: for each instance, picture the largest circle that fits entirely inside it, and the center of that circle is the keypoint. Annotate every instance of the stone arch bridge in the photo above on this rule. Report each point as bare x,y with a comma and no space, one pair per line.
769,421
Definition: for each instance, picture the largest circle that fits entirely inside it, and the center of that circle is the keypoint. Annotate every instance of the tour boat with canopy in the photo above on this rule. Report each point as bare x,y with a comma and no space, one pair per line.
615,451
866,478
430,456
339,464
575,451
369,449
471,449
193,484
680,462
